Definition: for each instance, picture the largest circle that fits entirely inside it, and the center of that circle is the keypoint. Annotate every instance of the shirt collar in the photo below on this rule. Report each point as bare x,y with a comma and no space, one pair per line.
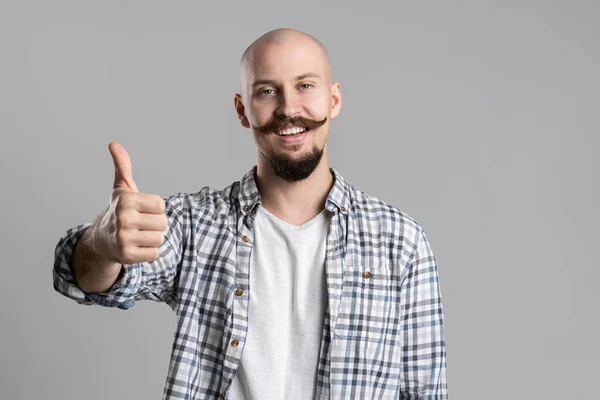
337,199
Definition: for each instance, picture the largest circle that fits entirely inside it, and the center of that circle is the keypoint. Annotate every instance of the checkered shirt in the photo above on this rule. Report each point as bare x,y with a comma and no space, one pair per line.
383,334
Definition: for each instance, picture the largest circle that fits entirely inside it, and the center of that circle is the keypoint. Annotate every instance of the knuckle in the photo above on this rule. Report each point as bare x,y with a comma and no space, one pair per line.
160,202
122,205
121,237
128,256
124,219
127,201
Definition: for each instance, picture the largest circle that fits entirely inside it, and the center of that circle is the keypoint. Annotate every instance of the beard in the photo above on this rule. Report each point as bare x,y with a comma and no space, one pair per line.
289,169
294,170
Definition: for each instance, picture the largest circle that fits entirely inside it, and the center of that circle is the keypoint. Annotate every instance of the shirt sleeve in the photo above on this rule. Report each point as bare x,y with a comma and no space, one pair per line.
424,359
154,280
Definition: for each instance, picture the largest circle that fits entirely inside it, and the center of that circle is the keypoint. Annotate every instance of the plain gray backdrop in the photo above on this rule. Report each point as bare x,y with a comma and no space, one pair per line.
478,119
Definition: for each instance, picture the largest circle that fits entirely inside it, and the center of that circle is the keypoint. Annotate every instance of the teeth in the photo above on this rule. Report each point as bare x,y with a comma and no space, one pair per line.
290,131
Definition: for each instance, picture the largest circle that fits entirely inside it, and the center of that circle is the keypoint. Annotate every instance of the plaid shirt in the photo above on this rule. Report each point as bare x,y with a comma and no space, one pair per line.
383,334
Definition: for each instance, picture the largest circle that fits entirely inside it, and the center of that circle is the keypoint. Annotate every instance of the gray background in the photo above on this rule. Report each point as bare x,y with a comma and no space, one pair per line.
480,120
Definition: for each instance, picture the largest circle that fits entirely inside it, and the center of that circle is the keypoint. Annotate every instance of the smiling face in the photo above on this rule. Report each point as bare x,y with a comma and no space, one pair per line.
288,100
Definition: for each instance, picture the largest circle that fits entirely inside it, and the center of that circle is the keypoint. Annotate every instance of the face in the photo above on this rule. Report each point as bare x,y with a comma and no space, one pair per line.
288,100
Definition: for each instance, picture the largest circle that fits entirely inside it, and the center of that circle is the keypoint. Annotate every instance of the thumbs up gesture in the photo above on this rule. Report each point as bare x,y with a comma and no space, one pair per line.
132,228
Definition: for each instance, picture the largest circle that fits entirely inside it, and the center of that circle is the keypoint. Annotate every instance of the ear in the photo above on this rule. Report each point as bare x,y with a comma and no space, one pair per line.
240,110
336,99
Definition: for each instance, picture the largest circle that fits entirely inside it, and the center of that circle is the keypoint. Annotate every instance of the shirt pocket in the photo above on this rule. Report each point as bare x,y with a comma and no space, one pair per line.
365,304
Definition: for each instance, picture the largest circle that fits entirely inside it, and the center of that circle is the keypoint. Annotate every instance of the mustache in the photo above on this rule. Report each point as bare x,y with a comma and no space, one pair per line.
281,122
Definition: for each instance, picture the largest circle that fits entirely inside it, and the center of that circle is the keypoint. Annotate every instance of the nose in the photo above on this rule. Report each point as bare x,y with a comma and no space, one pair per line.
289,105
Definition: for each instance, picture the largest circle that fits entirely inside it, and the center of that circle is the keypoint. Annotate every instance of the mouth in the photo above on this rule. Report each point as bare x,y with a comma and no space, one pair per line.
292,134
291,131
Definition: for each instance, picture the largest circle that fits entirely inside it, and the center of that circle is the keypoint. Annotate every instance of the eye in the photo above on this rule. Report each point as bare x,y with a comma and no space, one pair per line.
305,86
266,92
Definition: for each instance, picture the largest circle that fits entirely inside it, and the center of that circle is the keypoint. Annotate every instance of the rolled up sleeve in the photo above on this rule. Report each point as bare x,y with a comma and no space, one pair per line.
139,281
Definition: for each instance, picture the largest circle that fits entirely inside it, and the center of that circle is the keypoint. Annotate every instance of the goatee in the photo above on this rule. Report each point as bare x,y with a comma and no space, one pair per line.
295,170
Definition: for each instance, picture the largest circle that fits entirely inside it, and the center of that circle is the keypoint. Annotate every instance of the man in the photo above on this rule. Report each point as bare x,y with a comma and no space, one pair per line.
288,284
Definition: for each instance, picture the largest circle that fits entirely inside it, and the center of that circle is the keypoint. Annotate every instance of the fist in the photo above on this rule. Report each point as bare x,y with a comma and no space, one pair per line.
132,228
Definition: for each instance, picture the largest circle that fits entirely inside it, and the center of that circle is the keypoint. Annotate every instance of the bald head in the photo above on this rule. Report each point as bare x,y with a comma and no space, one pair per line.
290,38
280,36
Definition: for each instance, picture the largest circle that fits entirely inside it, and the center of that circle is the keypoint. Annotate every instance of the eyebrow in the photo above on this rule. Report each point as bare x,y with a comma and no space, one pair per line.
298,78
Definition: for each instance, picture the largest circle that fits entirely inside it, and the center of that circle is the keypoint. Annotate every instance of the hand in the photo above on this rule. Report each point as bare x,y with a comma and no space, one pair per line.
132,228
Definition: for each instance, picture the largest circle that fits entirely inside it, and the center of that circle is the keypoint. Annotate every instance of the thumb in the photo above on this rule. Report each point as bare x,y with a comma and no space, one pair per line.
122,162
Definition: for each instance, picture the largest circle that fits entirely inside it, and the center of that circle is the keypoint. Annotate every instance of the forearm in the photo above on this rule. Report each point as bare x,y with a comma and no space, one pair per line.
92,272
423,326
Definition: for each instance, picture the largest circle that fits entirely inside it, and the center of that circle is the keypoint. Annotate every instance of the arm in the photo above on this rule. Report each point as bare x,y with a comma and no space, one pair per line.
92,272
424,358
154,280
131,252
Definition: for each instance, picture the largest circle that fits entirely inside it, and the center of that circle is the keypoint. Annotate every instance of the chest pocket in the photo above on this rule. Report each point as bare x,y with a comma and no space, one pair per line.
365,305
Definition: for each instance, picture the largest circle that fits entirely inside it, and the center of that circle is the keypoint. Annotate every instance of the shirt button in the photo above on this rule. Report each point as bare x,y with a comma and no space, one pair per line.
222,396
343,209
234,343
238,292
245,209
367,274
245,239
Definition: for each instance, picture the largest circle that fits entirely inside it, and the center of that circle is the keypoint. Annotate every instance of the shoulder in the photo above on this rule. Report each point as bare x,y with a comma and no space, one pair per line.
382,215
207,201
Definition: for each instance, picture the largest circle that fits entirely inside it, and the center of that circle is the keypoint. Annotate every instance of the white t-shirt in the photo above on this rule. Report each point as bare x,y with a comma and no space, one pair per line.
287,303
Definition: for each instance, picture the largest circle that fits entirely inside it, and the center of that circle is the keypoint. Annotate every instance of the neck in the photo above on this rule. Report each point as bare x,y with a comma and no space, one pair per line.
294,202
